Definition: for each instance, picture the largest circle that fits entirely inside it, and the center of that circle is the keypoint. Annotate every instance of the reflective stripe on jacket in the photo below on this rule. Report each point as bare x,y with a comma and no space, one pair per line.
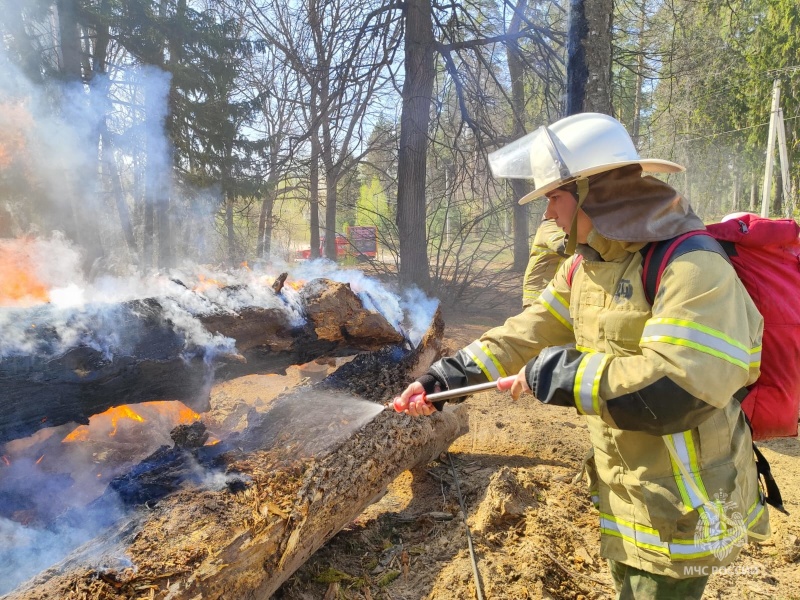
673,503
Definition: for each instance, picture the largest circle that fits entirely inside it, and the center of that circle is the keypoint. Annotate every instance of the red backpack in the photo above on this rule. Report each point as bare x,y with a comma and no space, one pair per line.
766,256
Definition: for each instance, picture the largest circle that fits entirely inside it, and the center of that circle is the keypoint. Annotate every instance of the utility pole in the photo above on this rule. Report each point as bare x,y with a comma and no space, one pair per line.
776,127
788,201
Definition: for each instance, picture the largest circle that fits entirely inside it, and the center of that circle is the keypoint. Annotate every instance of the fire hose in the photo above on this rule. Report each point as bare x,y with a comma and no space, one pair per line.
503,384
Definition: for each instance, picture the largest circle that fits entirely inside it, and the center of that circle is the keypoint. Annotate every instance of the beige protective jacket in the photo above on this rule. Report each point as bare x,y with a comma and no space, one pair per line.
547,254
677,503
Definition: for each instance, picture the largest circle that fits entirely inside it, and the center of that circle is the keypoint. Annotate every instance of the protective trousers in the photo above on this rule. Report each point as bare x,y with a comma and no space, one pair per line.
634,584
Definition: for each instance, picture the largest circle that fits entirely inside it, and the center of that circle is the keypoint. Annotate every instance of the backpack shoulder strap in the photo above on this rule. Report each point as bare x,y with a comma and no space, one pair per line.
572,268
658,256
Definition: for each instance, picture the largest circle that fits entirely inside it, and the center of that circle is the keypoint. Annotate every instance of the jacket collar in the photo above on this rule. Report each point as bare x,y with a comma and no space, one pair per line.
599,247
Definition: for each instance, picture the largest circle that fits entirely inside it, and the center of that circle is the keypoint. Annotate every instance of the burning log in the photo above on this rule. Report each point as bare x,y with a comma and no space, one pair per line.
77,363
279,497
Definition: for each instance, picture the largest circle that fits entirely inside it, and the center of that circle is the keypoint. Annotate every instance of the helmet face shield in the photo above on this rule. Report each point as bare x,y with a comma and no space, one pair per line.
574,147
533,156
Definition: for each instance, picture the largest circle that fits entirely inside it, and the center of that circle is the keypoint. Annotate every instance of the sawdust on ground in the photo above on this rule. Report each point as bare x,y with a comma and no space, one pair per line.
532,528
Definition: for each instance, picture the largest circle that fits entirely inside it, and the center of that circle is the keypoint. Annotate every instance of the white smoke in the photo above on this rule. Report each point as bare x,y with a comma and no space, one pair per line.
28,549
419,310
82,312
411,312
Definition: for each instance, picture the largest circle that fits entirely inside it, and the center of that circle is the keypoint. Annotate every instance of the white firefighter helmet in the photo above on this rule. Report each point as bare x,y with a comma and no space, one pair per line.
577,146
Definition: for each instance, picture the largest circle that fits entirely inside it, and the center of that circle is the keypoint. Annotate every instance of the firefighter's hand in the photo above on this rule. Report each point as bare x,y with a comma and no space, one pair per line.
413,402
520,385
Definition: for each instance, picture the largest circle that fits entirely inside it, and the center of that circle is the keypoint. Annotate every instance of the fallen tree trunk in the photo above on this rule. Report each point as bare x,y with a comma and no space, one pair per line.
81,363
277,501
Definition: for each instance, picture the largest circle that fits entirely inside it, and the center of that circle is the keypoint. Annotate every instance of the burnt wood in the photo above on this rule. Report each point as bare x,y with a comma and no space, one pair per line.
278,505
134,352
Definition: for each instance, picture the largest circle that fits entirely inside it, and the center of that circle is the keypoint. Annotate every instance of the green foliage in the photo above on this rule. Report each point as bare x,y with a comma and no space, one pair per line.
372,203
711,105
387,578
331,575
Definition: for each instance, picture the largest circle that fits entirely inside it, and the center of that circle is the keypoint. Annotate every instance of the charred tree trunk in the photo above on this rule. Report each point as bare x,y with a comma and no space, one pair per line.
589,56
153,359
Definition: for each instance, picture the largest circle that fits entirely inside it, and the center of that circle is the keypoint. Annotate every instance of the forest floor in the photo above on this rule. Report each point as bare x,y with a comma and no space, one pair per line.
533,528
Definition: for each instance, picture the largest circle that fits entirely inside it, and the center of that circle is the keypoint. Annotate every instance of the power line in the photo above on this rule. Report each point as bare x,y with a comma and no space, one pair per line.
713,135
726,88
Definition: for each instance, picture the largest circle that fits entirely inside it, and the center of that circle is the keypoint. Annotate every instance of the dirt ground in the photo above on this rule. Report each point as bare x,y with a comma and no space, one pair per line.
531,526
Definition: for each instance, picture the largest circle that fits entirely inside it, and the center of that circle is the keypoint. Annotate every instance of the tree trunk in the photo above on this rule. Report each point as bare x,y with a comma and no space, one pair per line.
70,46
264,245
18,42
313,181
640,65
254,535
413,152
164,209
230,232
156,175
519,187
331,198
112,174
84,209
589,57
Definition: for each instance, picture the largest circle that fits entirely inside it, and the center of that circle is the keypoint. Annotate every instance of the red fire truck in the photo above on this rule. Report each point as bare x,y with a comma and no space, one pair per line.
357,241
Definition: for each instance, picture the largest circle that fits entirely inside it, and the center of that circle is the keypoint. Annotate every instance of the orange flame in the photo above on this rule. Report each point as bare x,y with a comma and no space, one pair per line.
18,283
172,412
122,412
206,283
79,434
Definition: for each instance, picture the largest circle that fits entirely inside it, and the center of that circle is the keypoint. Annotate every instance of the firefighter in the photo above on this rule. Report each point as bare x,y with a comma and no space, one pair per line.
547,254
672,471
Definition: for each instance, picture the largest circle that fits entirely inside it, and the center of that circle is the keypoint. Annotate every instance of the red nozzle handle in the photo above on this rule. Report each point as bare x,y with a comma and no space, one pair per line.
396,404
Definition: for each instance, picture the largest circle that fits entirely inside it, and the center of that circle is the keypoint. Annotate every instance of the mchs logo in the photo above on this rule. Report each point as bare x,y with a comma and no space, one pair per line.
721,527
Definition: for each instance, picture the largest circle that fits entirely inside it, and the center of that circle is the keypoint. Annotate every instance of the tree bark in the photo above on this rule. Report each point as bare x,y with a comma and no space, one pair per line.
640,66
264,245
251,539
70,46
111,172
18,42
519,187
589,57
413,152
313,181
230,233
